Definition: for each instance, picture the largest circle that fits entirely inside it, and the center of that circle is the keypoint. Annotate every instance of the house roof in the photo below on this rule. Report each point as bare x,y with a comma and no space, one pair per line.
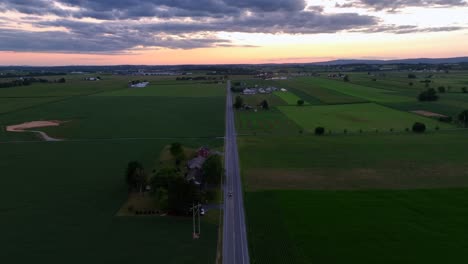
196,163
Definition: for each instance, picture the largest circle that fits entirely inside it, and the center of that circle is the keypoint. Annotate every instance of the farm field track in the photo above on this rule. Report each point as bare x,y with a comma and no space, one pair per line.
374,226
355,117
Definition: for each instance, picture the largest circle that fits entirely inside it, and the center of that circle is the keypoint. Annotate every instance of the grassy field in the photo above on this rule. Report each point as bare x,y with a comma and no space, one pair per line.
116,117
359,91
355,198
13,104
355,117
317,94
256,99
290,98
407,226
75,85
184,89
380,161
58,201
371,197
271,122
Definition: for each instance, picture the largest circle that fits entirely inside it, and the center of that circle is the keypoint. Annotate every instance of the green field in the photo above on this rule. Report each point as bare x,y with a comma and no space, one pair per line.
116,117
13,104
355,117
186,89
313,93
403,160
59,199
256,99
386,195
364,92
75,85
290,98
411,226
271,122
356,199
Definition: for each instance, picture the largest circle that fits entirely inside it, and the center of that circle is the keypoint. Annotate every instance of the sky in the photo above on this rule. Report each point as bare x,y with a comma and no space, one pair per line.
169,32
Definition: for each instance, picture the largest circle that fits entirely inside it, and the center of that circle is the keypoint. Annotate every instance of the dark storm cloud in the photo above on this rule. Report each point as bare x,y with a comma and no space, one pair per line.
398,4
278,22
38,7
131,9
87,42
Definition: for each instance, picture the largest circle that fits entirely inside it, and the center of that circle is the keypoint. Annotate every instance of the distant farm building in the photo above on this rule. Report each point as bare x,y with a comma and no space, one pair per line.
249,91
93,78
138,84
279,78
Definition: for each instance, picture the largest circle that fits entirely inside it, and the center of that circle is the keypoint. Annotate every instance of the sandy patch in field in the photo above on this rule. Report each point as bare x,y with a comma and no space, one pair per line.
427,113
24,127
34,124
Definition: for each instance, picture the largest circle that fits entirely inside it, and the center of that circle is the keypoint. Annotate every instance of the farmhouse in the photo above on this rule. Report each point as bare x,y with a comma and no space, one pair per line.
334,75
250,91
138,84
279,78
93,78
195,165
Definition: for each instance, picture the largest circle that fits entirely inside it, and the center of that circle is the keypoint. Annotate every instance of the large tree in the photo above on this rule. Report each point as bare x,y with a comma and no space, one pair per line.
265,105
181,195
163,177
463,117
177,151
135,176
428,95
213,169
239,102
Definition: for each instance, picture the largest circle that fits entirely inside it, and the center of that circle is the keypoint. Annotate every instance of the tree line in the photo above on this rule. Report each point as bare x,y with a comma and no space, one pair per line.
28,81
30,74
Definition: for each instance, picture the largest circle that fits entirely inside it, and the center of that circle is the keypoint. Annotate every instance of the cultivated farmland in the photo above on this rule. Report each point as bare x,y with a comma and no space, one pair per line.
290,98
410,226
367,191
356,117
67,193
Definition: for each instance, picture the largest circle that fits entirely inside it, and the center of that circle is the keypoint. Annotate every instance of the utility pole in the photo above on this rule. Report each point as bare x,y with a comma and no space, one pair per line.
196,211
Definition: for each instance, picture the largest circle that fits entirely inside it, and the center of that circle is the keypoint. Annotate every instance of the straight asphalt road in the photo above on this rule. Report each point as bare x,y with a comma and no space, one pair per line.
235,246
